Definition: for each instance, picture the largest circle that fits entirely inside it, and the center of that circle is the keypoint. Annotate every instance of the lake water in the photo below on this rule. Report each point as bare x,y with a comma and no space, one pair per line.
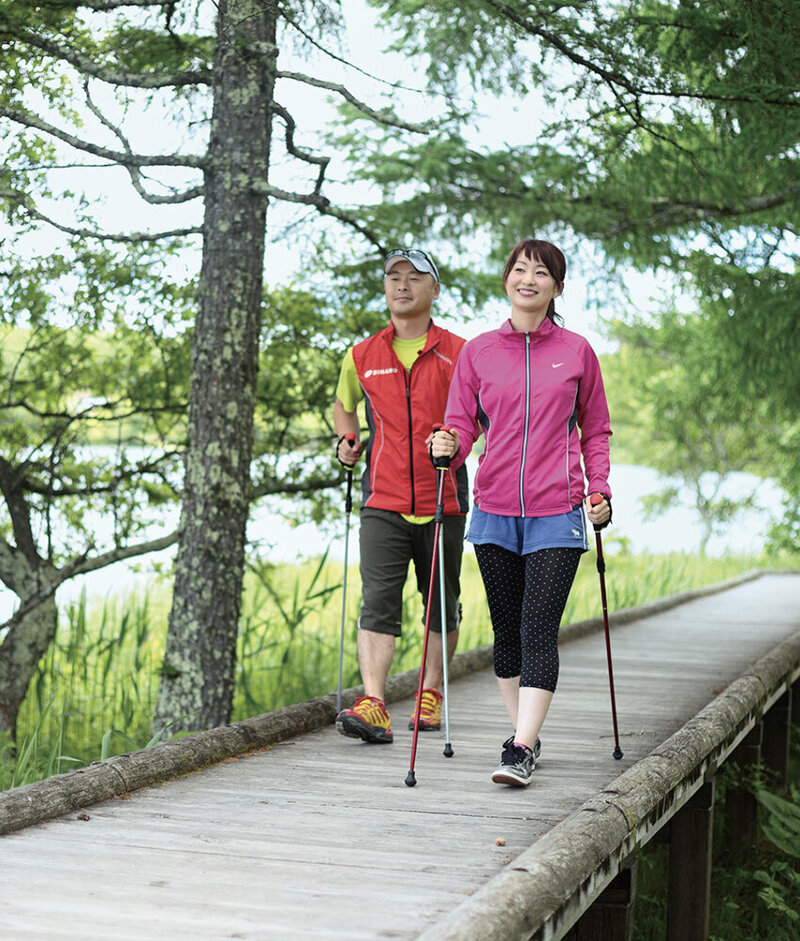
678,530
675,531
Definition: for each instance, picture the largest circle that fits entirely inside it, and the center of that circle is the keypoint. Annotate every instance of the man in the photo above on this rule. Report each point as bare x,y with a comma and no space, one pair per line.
403,374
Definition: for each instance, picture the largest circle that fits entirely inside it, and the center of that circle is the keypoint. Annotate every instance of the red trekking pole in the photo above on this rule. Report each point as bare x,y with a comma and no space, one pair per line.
601,568
441,464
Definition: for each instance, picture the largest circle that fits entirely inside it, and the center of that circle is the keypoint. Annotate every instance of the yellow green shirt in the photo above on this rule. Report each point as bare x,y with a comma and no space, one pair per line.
349,392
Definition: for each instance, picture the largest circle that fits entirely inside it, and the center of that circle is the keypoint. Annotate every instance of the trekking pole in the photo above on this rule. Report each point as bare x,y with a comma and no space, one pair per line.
448,748
410,777
348,506
601,568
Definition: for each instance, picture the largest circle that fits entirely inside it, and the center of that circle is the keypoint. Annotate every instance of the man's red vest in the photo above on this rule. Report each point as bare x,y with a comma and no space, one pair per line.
402,408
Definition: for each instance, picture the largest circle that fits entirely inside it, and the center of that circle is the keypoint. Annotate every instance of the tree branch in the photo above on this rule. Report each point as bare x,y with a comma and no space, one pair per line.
87,66
289,17
133,238
679,210
291,127
323,204
82,566
103,6
133,472
381,117
311,485
133,171
123,159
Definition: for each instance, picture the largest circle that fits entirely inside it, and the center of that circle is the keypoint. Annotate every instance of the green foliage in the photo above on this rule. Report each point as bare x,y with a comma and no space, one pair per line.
93,384
752,899
94,690
675,410
780,893
140,50
303,341
457,40
782,824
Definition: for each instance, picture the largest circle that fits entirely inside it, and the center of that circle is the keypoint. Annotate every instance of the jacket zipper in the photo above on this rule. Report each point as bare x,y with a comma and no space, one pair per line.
410,442
527,421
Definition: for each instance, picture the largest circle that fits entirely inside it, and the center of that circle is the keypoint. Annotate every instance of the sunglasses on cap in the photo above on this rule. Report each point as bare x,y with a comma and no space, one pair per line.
421,261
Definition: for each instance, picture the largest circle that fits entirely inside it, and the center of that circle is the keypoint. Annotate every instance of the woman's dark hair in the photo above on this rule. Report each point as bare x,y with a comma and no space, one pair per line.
549,255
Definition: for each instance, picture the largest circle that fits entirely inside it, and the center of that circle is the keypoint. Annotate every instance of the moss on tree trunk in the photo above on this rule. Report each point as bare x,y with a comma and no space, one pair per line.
196,690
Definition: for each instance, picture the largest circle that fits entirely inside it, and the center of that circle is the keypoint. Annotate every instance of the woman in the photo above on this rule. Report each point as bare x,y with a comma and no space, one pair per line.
535,391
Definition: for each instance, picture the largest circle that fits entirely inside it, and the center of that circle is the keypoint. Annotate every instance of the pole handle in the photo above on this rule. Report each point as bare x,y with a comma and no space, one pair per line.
350,438
440,463
594,499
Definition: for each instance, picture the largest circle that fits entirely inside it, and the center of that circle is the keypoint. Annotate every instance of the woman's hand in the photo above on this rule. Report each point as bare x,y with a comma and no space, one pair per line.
599,513
443,443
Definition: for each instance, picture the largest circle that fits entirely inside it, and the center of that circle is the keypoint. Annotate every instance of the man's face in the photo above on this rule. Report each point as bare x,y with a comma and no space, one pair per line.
408,292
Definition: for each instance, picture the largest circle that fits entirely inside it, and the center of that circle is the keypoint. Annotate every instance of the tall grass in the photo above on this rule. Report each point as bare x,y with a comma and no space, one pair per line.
94,692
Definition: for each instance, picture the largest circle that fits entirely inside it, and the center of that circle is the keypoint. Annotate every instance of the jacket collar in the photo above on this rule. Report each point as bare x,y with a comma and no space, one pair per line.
546,327
434,335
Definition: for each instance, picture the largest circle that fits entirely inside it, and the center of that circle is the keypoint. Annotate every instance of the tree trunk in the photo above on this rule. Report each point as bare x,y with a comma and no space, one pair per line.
24,645
29,633
196,689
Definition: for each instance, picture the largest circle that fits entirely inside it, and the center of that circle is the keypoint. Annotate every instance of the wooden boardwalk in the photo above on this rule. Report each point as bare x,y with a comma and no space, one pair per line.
319,837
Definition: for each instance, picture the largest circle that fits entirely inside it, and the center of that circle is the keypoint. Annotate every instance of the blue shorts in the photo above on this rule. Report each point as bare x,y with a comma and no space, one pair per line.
526,534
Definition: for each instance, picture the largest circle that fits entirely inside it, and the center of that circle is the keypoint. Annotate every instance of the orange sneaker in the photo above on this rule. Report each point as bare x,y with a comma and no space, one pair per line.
368,720
430,713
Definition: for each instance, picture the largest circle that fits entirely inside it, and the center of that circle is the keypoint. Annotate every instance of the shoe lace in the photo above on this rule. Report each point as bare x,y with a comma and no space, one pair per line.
430,703
371,710
513,754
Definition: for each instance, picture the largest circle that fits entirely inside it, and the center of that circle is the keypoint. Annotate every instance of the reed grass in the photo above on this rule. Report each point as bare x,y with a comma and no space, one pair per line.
95,690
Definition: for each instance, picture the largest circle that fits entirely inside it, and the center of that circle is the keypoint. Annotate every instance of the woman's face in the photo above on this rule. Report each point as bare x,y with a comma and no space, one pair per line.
530,287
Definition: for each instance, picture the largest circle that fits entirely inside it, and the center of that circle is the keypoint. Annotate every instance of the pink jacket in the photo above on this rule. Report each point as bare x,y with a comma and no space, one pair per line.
530,393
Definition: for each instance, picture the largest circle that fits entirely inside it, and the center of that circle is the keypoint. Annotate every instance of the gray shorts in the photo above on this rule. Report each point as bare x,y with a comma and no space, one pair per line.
388,543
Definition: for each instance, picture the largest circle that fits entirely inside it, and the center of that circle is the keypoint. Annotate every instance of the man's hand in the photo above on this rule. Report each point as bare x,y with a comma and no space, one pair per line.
348,450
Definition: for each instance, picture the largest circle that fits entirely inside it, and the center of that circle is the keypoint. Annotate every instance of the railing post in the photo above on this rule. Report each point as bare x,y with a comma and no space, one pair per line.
741,806
777,729
690,844
610,916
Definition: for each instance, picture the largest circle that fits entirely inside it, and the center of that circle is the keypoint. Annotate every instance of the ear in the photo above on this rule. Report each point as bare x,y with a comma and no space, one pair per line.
558,290
436,289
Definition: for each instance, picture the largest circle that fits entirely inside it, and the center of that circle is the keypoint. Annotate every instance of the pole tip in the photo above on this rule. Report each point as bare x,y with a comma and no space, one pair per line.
618,753
410,779
448,750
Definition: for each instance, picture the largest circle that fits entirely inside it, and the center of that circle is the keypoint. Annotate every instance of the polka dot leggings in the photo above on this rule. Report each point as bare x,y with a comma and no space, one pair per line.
527,596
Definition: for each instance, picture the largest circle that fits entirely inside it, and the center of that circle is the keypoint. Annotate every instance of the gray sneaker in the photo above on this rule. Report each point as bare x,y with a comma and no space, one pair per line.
516,764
